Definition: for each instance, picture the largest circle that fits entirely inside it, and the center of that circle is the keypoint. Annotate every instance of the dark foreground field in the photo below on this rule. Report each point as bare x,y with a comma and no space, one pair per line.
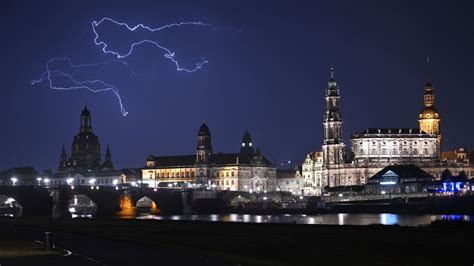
138,242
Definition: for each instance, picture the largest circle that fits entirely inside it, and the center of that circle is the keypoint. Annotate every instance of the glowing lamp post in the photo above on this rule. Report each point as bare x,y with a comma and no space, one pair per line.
46,181
39,180
115,182
14,180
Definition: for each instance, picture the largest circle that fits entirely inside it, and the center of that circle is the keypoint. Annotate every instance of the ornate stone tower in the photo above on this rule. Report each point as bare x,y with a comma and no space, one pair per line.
333,146
429,117
204,147
246,146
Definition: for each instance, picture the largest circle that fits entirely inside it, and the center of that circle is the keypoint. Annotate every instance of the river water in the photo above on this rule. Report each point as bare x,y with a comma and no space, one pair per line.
328,219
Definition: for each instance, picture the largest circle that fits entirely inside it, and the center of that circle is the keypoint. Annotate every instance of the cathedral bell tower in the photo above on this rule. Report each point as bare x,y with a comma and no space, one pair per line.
333,145
429,117
204,147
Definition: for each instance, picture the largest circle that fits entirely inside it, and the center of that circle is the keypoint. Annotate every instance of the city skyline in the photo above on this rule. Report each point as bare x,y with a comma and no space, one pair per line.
283,112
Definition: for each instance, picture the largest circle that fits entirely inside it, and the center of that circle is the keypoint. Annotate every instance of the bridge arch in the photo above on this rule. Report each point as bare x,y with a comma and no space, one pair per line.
10,207
80,205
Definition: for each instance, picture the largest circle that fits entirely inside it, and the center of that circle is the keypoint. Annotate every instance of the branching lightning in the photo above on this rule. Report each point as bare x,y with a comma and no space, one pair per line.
97,85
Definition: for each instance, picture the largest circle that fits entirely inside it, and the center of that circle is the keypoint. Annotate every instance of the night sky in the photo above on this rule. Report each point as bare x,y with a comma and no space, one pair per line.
269,79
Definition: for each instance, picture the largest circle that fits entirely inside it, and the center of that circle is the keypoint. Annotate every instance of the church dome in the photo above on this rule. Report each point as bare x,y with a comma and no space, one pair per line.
204,130
429,113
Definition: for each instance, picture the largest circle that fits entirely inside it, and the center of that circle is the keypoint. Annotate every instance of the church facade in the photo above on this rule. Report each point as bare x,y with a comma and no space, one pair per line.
248,170
375,148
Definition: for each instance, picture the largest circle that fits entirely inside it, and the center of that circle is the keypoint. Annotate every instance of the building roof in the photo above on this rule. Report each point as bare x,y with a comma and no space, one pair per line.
287,173
393,132
402,171
20,172
218,159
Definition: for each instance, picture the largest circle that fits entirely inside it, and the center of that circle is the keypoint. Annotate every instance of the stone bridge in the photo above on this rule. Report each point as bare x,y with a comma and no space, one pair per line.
40,201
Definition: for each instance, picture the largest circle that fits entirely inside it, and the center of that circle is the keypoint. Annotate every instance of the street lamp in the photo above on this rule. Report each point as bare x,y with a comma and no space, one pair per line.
39,180
46,181
69,181
14,180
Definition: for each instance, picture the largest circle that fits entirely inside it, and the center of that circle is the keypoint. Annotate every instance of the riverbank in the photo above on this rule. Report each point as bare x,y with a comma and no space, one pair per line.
269,244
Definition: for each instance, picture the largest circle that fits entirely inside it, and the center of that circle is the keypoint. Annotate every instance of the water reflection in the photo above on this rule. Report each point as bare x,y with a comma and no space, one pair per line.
328,219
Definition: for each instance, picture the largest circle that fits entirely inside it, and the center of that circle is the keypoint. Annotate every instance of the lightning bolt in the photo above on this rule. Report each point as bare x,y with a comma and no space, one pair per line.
49,74
97,85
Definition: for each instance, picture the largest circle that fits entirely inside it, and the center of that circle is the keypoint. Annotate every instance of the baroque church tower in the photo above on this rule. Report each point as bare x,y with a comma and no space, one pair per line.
204,146
333,145
429,117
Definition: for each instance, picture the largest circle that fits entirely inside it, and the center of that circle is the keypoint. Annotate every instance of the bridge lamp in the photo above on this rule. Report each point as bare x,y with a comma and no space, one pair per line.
69,181
14,180
134,183
264,198
39,180
383,192
46,181
340,194
301,197
115,182
155,189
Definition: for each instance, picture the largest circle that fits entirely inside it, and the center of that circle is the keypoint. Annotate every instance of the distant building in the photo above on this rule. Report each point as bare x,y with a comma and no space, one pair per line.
247,170
290,180
312,172
460,155
19,176
85,166
375,148
454,184
399,179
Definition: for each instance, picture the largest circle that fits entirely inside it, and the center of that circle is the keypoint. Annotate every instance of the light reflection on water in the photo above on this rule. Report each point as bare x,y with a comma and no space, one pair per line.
329,219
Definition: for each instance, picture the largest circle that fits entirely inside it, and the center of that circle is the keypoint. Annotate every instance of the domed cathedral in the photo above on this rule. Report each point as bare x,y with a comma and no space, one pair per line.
429,117
247,170
86,150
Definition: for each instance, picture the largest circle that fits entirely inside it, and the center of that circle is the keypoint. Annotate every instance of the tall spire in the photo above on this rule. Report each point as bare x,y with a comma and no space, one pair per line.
428,71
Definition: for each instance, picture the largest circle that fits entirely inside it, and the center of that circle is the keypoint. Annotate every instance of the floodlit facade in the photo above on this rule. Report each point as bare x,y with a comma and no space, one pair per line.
375,148
247,170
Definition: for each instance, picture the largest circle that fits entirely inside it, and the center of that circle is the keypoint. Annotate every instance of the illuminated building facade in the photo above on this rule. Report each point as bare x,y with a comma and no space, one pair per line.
373,149
247,170
290,180
312,171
